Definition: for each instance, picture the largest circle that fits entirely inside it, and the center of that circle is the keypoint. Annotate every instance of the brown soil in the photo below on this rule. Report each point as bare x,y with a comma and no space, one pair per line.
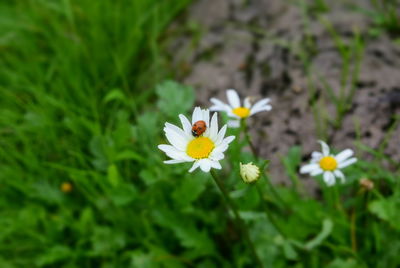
246,45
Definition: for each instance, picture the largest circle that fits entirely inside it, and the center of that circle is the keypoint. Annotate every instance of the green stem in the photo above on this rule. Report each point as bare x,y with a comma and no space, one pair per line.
274,192
268,214
248,139
240,224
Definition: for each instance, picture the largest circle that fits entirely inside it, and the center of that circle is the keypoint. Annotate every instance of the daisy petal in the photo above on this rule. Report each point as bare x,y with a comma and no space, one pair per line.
196,164
316,172
205,164
175,139
308,168
215,164
340,175
325,148
344,155
197,115
261,103
260,109
177,130
174,153
329,178
219,105
233,98
247,103
214,127
220,135
233,123
174,161
348,162
206,117
187,127
316,156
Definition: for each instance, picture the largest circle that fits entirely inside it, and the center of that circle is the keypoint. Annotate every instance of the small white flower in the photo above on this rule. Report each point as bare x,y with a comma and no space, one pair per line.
249,172
236,110
328,164
205,150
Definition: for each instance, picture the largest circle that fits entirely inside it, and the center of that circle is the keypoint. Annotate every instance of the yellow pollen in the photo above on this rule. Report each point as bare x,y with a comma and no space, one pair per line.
200,147
328,163
242,112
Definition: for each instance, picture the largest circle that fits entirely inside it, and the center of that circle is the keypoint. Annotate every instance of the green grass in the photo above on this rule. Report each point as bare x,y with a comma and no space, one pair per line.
74,77
83,101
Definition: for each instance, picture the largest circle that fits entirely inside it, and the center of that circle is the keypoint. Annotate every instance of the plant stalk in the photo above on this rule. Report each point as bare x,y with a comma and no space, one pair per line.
239,222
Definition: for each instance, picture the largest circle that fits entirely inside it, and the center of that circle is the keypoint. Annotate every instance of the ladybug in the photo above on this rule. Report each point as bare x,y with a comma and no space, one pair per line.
198,128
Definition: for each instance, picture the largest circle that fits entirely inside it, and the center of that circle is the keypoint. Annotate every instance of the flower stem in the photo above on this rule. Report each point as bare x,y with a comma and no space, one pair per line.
248,138
239,222
267,212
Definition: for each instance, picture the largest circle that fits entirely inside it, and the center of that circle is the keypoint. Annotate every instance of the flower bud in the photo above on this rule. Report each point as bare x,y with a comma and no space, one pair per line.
66,187
249,172
367,184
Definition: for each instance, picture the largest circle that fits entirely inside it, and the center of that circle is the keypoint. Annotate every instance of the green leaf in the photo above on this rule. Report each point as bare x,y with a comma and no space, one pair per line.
388,210
54,254
113,175
115,95
327,227
174,98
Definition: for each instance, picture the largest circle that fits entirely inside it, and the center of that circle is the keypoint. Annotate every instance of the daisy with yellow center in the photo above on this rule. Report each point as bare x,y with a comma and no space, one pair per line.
205,151
236,110
329,165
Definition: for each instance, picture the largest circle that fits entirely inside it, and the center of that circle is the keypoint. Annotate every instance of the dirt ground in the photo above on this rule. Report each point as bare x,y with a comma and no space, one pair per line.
242,45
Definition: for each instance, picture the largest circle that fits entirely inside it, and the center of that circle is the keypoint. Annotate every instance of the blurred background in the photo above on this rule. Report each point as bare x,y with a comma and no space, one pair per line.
86,87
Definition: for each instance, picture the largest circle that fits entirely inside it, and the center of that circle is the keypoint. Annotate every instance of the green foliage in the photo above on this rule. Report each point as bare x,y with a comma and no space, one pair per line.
83,103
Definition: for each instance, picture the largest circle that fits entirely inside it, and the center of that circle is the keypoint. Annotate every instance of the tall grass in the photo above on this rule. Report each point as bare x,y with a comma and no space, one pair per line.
73,76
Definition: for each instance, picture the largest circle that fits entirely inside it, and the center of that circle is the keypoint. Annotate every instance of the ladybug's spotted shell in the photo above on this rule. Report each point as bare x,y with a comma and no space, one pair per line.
198,128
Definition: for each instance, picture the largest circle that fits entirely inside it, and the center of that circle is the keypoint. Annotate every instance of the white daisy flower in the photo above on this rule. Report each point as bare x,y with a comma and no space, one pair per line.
236,110
329,164
205,150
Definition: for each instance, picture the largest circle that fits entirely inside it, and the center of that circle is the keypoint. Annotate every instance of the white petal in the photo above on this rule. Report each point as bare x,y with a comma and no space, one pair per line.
316,172
247,102
216,155
220,136
343,155
228,139
215,164
234,123
187,127
214,127
178,141
174,161
233,98
340,175
325,148
308,168
219,105
261,103
316,156
347,162
196,164
205,164
329,178
174,153
197,115
260,109
178,131
206,117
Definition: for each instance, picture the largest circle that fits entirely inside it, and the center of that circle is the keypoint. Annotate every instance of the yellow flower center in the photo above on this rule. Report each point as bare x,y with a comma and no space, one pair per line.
242,112
200,147
328,163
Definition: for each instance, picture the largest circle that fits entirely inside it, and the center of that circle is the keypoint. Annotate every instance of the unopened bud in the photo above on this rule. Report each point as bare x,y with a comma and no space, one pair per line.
249,172
66,187
367,184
